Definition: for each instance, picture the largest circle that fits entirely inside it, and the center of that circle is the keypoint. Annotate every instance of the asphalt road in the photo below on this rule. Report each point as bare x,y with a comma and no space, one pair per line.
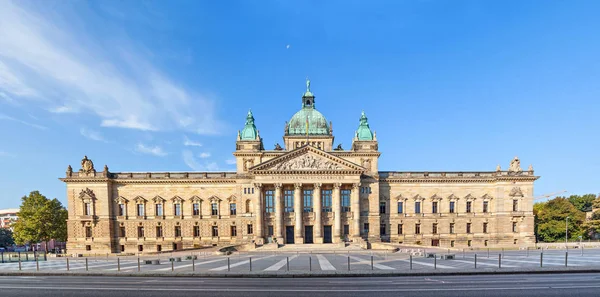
547,285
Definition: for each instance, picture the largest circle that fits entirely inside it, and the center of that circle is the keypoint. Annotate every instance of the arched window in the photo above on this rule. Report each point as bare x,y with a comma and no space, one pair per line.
248,206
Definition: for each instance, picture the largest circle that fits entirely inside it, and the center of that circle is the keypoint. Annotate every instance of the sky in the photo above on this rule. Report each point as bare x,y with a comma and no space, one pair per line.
166,85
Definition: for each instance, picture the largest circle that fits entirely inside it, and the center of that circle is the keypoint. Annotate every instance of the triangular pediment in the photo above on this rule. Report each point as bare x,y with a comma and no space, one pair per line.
307,159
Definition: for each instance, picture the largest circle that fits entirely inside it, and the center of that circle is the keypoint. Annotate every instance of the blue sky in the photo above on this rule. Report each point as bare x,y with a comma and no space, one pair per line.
165,85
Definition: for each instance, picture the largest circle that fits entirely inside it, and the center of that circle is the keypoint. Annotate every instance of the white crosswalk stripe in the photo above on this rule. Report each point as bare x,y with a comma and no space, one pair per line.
324,263
483,263
368,262
280,264
190,265
239,264
428,264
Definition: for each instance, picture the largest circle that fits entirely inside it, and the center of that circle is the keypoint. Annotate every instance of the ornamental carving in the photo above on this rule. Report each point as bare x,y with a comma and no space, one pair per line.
158,199
87,194
177,199
87,166
306,162
487,197
248,163
453,197
515,165
516,192
140,200
366,163
195,199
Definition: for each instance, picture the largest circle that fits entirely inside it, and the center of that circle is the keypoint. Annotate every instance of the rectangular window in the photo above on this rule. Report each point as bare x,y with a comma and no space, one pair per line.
366,228
382,207
451,228
140,231
485,227
159,231
122,231
269,201
468,227
177,231
434,228
159,248
215,231
121,209
159,210
87,210
434,207
515,205
469,242
400,207
418,207
232,209
485,206
250,229
485,242
326,200
345,200
177,209
252,190
382,229
140,210
452,206
214,209
270,230
417,228
88,231
400,229
308,203
233,231
196,231
514,227
288,200
88,247
245,190
451,243
346,229
196,209
122,248
469,206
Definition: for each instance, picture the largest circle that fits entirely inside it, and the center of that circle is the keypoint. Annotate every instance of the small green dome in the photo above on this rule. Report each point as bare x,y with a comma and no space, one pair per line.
249,132
364,132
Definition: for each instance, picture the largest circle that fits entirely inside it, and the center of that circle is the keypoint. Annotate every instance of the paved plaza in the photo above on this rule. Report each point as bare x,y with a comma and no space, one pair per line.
318,261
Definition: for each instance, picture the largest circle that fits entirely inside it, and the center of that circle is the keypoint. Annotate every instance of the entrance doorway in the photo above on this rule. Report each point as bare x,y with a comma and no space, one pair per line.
308,234
435,242
289,234
327,234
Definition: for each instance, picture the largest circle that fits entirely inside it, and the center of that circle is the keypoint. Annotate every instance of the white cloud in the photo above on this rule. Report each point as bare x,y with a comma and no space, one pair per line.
204,155
110,78
151,150
230,162
190,160
91,134
5,117
188,142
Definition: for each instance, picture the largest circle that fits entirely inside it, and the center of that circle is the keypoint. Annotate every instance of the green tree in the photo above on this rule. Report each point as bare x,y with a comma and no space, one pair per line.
551,220
40,220
6,238
583,202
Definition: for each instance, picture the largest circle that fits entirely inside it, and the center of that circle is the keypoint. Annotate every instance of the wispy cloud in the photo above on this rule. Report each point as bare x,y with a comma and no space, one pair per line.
190,160
151,150
114,80
230,162
91,134
6,154
204,155
8,118
188,142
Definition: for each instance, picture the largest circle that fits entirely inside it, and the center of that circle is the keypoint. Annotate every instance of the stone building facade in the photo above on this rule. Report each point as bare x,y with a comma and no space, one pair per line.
308,191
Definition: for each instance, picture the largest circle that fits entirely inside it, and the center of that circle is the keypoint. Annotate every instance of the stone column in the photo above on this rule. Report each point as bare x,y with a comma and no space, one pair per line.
258,210
278,214
317,209
355,208
298,213
337,214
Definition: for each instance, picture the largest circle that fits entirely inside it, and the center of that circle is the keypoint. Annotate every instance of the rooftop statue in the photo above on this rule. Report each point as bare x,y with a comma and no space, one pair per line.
515,165
278,147
339,148
87,166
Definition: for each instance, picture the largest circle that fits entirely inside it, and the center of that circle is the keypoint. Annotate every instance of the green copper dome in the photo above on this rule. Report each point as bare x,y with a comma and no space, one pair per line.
308,118
249,132
364,132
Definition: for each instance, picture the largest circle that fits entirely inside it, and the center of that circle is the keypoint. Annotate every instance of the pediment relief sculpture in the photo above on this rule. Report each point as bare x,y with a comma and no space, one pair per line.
140,200
177,199
232,198
470,197
436,197
87,194
487,197
516,192
453,197
158,199
121,200
307,162
418,197
195,199
214,199
400,197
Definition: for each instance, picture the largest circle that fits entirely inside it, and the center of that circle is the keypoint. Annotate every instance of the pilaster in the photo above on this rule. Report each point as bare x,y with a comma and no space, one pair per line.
337,213
318,208
298,213
278,214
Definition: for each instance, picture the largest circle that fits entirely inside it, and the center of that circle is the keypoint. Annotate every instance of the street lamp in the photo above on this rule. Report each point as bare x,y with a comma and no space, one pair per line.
566,230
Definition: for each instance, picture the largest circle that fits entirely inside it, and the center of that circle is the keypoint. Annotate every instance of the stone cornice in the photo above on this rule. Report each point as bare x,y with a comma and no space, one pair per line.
456,177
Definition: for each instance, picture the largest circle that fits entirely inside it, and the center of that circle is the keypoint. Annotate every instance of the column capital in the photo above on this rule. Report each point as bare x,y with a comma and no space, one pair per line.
337,186
318,185
278,185
258,185
298,186
355,186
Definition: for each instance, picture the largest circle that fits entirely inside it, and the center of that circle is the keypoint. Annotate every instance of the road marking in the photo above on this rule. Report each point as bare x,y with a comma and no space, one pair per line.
537,262
280,264
190,265
483,264
324,263
239,264
428,264
375,265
